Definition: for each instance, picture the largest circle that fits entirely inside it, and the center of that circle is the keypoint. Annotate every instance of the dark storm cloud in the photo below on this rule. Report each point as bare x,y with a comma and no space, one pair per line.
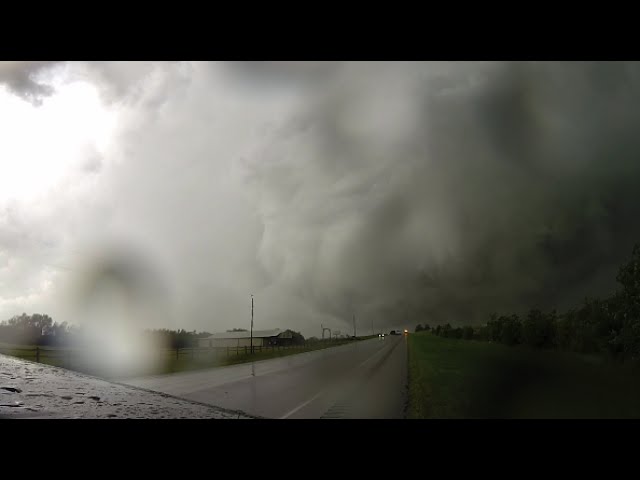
450,192
398,191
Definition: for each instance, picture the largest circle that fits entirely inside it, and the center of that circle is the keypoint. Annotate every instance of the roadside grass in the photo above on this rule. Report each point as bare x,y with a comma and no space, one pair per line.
451,378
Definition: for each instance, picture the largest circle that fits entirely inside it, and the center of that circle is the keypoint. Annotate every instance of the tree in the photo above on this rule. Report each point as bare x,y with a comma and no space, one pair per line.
467,332
511,333
539,329
610,325
625,341
238,330
419,328
494,328
28,329
296,337
483,333
446,331
566,330
629,276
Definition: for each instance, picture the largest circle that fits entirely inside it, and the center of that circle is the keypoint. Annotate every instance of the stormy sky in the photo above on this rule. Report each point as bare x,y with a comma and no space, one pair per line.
398,192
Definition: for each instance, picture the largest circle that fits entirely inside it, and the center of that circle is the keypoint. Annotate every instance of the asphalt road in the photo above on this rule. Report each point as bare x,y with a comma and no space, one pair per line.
365,379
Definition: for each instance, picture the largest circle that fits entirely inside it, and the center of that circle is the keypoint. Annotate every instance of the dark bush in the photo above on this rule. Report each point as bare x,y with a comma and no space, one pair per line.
446,331
539,329
511,333
468,333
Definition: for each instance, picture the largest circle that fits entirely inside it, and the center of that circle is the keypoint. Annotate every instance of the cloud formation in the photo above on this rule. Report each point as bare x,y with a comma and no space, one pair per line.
401,192
22,79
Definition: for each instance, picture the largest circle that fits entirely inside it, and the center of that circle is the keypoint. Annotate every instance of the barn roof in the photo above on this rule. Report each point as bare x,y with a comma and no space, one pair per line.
256,334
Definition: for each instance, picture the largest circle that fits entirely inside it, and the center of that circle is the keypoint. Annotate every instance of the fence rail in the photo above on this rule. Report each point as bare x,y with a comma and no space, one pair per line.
67,357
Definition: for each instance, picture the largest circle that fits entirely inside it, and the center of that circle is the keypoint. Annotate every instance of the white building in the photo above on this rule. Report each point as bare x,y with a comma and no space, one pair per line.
243,339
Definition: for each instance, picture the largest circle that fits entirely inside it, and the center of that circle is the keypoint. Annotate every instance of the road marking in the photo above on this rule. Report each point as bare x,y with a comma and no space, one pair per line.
315,397
302,405
371,357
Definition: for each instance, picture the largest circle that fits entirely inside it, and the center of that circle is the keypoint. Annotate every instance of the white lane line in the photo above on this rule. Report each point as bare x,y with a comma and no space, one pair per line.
286,415
215,385
316,396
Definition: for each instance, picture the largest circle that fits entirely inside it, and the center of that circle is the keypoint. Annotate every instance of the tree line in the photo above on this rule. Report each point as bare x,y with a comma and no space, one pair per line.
609,326
35,329
40,329
177,338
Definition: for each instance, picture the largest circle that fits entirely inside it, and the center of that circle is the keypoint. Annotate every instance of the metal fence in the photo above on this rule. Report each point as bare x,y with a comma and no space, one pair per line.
68,357
218,352
50,355
230,351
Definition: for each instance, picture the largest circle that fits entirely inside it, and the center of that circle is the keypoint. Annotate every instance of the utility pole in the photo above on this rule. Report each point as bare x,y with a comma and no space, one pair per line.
354,324
251,340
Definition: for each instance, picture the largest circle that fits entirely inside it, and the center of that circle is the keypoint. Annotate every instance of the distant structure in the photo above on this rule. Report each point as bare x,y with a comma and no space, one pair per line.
261,338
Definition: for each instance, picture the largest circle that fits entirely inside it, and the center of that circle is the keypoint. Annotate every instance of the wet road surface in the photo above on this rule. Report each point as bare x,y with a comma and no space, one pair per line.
364,379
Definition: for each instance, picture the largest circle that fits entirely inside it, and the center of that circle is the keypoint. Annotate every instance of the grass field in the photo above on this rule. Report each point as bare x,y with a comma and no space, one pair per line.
451,378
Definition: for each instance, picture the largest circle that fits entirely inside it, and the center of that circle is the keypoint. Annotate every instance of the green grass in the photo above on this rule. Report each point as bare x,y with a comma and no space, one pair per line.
451,378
